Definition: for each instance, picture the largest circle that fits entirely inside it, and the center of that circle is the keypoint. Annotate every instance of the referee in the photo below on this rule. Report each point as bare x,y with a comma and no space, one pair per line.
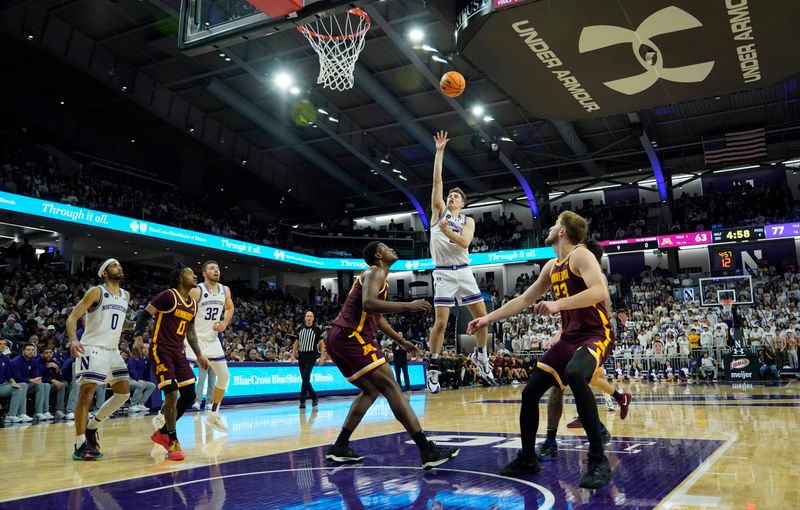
308,346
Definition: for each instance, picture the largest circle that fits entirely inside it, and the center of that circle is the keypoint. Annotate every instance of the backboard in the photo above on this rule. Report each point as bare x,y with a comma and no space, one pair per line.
207,25
713,291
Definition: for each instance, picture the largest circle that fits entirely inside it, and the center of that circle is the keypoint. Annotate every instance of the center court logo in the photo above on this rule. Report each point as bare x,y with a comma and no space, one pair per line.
666,21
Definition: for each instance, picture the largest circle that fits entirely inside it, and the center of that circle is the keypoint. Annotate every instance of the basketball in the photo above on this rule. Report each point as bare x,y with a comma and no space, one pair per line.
304,114
452,84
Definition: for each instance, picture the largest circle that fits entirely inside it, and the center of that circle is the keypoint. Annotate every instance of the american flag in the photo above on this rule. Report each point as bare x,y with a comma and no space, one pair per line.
739,146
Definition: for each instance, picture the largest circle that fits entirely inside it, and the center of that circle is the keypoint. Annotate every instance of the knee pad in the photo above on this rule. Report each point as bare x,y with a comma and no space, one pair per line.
223,375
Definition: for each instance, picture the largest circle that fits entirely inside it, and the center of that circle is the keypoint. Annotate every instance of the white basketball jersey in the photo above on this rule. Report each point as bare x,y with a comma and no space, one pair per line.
210,308
103,323
445,252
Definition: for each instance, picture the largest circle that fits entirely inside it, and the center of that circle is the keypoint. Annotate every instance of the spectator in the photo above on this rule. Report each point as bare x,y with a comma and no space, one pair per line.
9,387
139,381
767,359
51,376
707,368
26,368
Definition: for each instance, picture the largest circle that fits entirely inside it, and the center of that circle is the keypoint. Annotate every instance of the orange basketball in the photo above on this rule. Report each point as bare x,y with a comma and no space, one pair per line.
452,84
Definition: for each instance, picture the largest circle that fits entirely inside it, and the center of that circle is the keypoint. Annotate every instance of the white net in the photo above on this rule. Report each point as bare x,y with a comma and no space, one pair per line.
338,41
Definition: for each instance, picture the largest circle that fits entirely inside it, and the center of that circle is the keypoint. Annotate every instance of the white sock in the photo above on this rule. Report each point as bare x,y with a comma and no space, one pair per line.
79,440
93,424
434,356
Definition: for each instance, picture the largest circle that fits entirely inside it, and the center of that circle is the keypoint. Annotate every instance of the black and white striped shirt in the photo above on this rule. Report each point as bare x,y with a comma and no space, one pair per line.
308,338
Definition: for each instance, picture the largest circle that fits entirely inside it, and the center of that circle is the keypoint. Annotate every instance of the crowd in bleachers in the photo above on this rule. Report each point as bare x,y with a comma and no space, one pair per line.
503,233
27,171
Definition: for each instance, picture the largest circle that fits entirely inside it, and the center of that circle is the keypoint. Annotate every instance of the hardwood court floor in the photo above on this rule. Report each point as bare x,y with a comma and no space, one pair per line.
682,446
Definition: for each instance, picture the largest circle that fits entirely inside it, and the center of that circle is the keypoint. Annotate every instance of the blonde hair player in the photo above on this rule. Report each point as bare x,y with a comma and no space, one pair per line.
581,292
97,358
214,313
453,280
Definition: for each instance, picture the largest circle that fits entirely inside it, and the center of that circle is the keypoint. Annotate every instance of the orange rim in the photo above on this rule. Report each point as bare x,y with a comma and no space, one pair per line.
356,12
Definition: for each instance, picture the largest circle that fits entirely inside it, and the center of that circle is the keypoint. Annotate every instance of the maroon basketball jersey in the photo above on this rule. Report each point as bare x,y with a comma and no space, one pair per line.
582,324
173,317
353,318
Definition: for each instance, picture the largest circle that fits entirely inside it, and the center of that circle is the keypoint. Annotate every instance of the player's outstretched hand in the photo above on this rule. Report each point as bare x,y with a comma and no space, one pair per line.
547,307
476,324
219,326
441,140
419,305
203,362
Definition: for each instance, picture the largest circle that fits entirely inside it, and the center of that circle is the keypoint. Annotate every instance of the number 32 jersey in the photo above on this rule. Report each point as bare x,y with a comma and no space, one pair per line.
210,308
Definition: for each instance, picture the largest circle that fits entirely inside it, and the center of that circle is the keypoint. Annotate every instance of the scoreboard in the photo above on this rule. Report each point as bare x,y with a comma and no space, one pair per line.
738,234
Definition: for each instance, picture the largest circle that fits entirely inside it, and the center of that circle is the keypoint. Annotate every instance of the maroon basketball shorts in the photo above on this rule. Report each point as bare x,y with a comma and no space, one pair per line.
555,360
171,365
353,355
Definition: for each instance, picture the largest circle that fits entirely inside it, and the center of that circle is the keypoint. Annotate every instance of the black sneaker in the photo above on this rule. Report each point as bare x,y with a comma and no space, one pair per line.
315,403
521,466
92,439
548,450
436,455
342,454
605,435
86,453
302,405
598,472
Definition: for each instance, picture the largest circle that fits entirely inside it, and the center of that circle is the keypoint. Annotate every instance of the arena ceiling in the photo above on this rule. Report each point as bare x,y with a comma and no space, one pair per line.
88,51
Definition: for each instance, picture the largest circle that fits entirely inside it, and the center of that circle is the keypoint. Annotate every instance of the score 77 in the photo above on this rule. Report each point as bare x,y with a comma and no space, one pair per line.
777,230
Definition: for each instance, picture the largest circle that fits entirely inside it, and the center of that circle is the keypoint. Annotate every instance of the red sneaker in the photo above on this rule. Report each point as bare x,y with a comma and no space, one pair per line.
175,451
624,402
159,438
575,424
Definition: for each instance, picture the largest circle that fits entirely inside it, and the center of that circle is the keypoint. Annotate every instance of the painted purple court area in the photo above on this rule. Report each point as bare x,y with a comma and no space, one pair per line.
645,471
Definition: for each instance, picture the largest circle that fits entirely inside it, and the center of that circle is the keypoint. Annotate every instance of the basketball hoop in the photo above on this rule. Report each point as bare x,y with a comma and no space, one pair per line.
727,304
338,41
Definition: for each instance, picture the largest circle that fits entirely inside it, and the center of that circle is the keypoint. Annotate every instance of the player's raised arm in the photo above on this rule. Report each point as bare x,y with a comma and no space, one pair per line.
373,280
89,299
519,303
437,192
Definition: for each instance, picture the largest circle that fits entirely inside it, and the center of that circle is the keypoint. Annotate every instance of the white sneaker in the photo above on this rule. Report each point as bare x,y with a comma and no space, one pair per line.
216,421
49,416
196,406
70,416
12,419
208,406
60,415
610,404
484,367
39,417
142,408
159,420
25,418
432,381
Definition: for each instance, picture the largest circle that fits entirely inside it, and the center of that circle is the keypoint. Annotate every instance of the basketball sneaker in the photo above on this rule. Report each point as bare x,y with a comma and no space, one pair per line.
548,450
436,455
521,466
624,403
93,439
86,453
432,380
162,439
342,454
598,472
575,424
216,421
610,404
485,369
175,451
196,406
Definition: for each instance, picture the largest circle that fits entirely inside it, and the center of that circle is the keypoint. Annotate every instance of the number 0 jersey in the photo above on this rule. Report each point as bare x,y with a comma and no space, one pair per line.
104,321
210,308
173,317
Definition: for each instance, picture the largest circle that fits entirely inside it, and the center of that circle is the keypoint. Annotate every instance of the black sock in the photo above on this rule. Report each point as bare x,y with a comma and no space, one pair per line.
214,407
163,430
344,438
616,395
434,364
421,440
551,435
173,436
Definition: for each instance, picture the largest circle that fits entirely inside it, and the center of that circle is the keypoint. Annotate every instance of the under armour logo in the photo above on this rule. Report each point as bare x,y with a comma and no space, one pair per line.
668,20
279,254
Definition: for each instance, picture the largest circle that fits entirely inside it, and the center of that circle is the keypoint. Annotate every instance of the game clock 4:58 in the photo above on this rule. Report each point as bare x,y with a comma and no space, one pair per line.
738,234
